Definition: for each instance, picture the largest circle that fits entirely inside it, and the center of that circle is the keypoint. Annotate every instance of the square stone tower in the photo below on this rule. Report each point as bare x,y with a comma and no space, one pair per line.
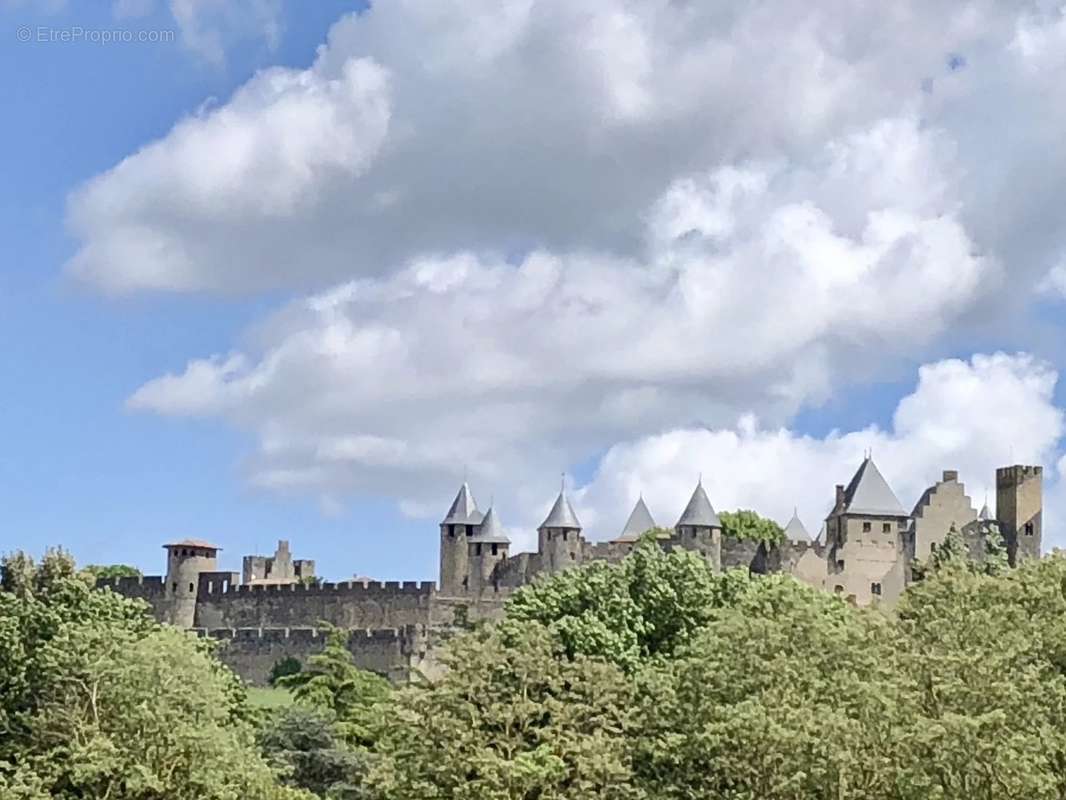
1020,510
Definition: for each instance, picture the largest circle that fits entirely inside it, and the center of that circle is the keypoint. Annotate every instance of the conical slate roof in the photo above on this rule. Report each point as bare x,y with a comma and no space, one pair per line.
640,520
795,530
869,493
464,509
699,513
562,515
985,513
490,531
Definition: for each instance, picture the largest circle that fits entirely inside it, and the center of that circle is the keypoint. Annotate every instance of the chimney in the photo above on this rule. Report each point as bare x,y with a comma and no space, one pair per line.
951,475
840,496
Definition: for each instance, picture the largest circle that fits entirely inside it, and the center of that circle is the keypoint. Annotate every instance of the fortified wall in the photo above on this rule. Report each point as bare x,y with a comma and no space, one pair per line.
276,609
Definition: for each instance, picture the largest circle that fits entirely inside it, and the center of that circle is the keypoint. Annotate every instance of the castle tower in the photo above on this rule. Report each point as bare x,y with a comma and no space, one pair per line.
639,522
185,561
1019,509
699,528
865,535
487,548
456,529
559,537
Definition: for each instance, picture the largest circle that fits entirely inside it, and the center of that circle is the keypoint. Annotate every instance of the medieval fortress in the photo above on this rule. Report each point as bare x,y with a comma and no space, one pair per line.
276,607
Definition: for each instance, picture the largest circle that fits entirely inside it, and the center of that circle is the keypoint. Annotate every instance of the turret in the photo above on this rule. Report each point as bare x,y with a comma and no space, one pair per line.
485,549
640,521
699,528
559,536
456,529
1019,509
186,559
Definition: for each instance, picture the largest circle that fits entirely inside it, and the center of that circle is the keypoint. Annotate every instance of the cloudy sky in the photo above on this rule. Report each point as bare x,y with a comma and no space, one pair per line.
297,270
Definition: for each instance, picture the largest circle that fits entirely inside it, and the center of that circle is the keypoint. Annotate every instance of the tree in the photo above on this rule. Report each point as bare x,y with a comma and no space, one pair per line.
748,526
331,681
304,745
513,717
282,667
111,571
644,607
99,701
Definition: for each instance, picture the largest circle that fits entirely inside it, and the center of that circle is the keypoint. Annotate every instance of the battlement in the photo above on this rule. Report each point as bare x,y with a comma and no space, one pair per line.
308,635
1018,473
357,589
143,586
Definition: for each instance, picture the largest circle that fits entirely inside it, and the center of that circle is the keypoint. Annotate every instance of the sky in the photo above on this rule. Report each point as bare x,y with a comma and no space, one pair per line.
278,270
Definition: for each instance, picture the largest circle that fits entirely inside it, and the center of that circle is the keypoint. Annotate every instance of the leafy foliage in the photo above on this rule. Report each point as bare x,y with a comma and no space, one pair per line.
98,701
647,606
282,667
331,682
111,571
750,527
305,746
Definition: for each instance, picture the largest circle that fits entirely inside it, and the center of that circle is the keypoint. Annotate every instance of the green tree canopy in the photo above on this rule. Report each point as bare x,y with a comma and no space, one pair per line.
111,571
98,701
749,526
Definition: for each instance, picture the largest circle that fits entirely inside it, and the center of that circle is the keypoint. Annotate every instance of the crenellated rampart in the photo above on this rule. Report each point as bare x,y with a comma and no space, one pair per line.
352,604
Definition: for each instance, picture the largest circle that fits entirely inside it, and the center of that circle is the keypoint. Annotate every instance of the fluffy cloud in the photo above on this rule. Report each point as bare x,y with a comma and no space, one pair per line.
763,282
972,416
518,125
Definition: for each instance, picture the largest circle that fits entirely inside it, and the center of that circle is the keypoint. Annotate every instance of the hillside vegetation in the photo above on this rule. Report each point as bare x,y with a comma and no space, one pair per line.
654,678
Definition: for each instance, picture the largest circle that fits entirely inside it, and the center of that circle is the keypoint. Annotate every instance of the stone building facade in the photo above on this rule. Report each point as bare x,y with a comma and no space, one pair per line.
276,607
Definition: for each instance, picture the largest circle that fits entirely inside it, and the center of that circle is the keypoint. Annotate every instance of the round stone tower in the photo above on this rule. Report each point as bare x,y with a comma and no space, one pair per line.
185,561
486,549
700,529
559,537
456,530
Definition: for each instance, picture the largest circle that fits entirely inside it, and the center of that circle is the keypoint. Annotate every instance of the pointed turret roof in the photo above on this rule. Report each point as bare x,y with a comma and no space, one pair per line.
795,530
699,513
640,520
562,515
820,538
985,514
464,509
869,493
491,531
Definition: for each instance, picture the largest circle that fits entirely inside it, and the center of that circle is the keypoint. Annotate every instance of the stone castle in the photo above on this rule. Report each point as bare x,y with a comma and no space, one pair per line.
276,607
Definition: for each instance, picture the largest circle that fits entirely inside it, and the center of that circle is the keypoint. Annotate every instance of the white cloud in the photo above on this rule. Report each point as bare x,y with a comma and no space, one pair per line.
972,416
756,296
522,124
209,26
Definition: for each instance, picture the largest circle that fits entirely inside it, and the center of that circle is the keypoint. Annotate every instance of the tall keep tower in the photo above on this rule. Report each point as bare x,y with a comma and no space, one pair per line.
185,561
1020,510
456,530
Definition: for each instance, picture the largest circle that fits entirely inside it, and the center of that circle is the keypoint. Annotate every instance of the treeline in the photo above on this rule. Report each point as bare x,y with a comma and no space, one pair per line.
654,678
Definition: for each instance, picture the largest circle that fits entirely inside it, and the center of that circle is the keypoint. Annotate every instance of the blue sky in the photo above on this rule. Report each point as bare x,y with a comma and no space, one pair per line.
353,331
78,470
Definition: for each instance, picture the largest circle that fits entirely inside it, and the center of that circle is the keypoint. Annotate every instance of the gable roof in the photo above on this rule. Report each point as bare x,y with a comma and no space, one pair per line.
464,509
869,493
640,520
699,513
562,515
795,530
490,531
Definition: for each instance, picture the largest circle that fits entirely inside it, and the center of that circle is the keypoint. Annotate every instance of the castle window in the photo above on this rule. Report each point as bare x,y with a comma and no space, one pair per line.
477,549
174,587
1028,529
840,564
886,527
838,589
564,536
465,582
866,527
875,588
495,549
191,588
